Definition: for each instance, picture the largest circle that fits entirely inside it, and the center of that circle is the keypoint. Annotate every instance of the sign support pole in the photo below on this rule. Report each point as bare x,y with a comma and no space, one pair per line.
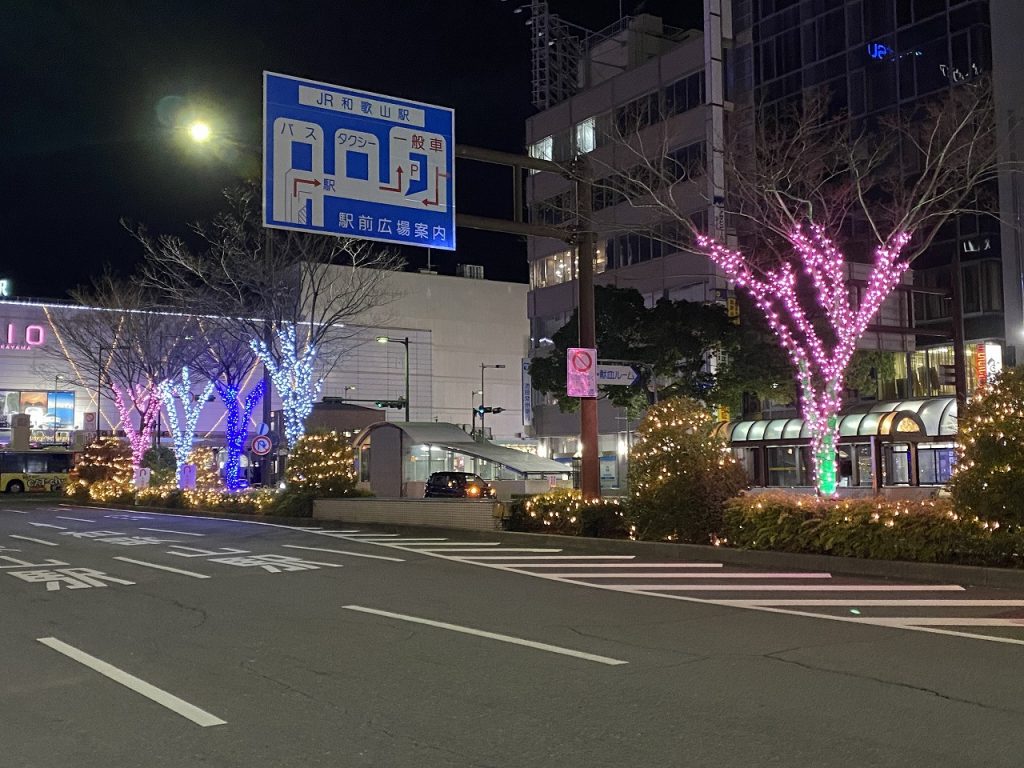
590,468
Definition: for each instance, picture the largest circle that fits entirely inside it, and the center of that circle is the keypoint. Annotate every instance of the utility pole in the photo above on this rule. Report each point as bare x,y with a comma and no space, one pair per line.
590,470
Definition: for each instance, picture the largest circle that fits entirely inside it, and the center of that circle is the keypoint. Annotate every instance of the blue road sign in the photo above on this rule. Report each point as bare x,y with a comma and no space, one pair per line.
346,162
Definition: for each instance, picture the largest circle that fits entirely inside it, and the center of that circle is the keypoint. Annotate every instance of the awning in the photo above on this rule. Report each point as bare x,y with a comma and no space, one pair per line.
925,417
452,438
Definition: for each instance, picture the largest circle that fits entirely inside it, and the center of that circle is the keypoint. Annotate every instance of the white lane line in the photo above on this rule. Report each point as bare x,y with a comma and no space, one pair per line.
490,635
163,698
19,511
76,519
446,546
373,535
618,565
397,542
48,525
784,588
143,563
466,550
167,530
545,557
929,621
692,575
937,603
37,541
330,533
343,552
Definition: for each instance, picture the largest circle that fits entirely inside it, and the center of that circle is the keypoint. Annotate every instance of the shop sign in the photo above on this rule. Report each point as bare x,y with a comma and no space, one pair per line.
19,338
988,362
5,288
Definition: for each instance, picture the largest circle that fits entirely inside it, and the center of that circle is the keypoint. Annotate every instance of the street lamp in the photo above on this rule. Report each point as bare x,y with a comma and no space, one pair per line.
484,366
199,131
405,343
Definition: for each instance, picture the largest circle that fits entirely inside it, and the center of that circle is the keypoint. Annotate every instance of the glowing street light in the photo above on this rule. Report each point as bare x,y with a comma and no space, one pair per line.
199,131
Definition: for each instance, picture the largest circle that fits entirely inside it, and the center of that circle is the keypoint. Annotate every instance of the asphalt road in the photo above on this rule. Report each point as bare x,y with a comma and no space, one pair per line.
155,640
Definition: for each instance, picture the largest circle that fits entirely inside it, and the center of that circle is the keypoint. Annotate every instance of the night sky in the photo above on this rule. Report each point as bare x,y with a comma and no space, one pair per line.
94,94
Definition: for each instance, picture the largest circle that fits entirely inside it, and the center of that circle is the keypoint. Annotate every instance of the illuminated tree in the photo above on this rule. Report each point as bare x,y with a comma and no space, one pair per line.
183,428
988,479
288,297
321,463
816,216
103,471
680,475
123,338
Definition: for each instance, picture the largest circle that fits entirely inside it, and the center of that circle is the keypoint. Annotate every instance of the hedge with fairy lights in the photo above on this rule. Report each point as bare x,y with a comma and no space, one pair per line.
680,475
321,463
988,480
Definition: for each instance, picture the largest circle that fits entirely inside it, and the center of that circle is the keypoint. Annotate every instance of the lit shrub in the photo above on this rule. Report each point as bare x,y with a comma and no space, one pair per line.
680,475
564,511
988,480
924,531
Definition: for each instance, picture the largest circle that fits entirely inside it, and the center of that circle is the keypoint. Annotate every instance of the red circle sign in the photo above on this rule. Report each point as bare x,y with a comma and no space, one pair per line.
582,361
261,445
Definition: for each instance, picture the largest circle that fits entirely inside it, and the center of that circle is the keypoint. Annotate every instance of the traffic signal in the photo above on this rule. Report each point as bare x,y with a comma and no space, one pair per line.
389,403
482,409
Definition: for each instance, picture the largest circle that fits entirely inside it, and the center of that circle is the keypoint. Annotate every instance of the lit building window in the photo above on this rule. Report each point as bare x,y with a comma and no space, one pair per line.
543,149
586,135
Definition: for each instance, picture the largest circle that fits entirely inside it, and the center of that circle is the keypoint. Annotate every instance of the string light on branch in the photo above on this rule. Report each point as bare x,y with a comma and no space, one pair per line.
144,400
820,366
183,431
293,375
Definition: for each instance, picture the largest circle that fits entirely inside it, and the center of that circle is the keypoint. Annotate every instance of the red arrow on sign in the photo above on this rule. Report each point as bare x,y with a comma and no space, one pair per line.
296,182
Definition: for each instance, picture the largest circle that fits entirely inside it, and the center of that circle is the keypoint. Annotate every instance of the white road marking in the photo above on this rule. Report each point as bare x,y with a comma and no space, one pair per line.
343,552
470,549
48,525
163,698
786,588
928,621
692,575
619,565
166,530
19,511
193,574
877,603
76,519
446,546
545,557
490,635
415,541
37,541
374,535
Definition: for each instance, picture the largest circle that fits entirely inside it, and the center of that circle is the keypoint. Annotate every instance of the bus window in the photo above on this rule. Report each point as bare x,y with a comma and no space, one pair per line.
12,462
35,463
58,462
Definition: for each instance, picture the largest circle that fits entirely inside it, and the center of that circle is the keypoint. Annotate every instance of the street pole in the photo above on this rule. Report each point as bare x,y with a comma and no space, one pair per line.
482,432
957,319
590,472
406,344
55,380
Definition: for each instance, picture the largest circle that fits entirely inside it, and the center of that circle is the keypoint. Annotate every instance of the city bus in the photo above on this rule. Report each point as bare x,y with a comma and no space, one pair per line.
34,471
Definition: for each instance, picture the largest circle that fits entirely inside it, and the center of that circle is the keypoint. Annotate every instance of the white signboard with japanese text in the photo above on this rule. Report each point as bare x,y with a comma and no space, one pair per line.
581,372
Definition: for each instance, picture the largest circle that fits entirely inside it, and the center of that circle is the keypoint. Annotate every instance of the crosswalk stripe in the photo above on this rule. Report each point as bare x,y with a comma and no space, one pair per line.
930,621
468,550
547,557
618,565
936,603
692,575
785,588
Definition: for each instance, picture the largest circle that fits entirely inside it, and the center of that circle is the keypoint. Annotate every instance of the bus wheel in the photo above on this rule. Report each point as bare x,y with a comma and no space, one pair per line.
15,486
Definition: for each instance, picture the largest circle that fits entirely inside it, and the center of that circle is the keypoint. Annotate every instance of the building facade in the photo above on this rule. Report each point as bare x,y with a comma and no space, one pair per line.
452,325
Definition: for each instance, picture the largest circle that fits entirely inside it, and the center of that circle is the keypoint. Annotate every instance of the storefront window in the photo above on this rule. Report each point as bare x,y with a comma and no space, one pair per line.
784,466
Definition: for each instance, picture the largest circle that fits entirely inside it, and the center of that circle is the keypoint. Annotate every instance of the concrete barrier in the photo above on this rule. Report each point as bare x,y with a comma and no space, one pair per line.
459,514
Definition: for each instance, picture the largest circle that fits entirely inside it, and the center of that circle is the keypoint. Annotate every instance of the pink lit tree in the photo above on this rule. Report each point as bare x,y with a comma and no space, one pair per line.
807,200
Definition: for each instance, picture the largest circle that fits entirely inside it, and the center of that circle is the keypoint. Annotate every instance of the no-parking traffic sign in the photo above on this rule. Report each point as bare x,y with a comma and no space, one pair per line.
581,372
